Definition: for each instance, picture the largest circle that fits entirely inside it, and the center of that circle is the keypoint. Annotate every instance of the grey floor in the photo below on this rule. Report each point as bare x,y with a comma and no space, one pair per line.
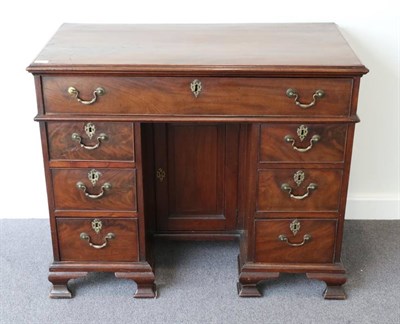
197,284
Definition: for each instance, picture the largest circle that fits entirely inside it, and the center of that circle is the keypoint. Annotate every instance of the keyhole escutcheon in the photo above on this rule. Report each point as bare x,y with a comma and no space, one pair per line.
196,87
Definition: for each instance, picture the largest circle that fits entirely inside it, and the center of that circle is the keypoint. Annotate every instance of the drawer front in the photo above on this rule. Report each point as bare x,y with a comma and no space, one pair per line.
114,189
305,143
175,95
299,190
101,239
314,240
91,141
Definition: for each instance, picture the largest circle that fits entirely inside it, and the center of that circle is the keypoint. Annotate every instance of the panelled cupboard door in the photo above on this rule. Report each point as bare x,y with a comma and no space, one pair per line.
196,176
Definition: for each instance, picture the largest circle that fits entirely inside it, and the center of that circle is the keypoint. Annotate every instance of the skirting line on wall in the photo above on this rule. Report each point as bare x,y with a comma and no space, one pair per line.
371,207
358,207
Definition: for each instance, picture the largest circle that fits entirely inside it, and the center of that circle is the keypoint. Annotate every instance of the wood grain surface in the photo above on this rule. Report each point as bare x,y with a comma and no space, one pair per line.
223,151
219,96
329,148
271,197
276,48
319,249
121,196
123,247
118,146
199,192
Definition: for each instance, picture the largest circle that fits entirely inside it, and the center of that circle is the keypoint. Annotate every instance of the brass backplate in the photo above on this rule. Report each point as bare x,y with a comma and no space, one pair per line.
295,227
94,176
298,177
97,225
196,87
161,174
302,132
90,130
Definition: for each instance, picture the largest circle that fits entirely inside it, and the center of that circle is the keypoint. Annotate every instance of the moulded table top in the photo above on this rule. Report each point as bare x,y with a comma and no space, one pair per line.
230,48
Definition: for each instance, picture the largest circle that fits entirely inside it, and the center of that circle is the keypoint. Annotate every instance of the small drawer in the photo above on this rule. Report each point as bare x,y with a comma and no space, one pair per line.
91,141
197,96
102,239
94,189
304,143
297,241
298,190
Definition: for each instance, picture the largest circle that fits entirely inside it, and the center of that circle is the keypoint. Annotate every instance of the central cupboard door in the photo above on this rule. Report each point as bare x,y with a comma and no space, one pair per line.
196,176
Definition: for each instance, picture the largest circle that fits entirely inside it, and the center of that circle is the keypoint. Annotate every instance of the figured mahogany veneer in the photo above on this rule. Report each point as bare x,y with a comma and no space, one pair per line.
121,195
329,148
271,197
201,197
320,248
118,146
123,247
197,132
219,96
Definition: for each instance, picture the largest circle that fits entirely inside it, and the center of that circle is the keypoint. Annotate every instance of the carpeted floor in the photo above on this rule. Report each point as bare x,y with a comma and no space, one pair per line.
197,284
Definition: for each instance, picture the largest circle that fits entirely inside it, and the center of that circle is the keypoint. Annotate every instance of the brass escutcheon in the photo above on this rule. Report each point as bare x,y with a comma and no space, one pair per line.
196,87
298,177
97,225
295,227
161,174
94,176
302,132
90,129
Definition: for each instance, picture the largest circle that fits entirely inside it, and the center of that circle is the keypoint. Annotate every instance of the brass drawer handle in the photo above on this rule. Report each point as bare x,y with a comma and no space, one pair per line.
290,139
101,138
84,236
288,188
105,187
292,93
75,93
306,238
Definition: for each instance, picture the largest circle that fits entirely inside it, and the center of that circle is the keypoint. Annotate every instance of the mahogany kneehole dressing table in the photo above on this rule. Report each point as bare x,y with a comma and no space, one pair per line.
197,132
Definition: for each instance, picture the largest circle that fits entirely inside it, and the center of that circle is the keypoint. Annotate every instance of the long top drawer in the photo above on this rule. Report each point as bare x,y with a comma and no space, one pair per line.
197,96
